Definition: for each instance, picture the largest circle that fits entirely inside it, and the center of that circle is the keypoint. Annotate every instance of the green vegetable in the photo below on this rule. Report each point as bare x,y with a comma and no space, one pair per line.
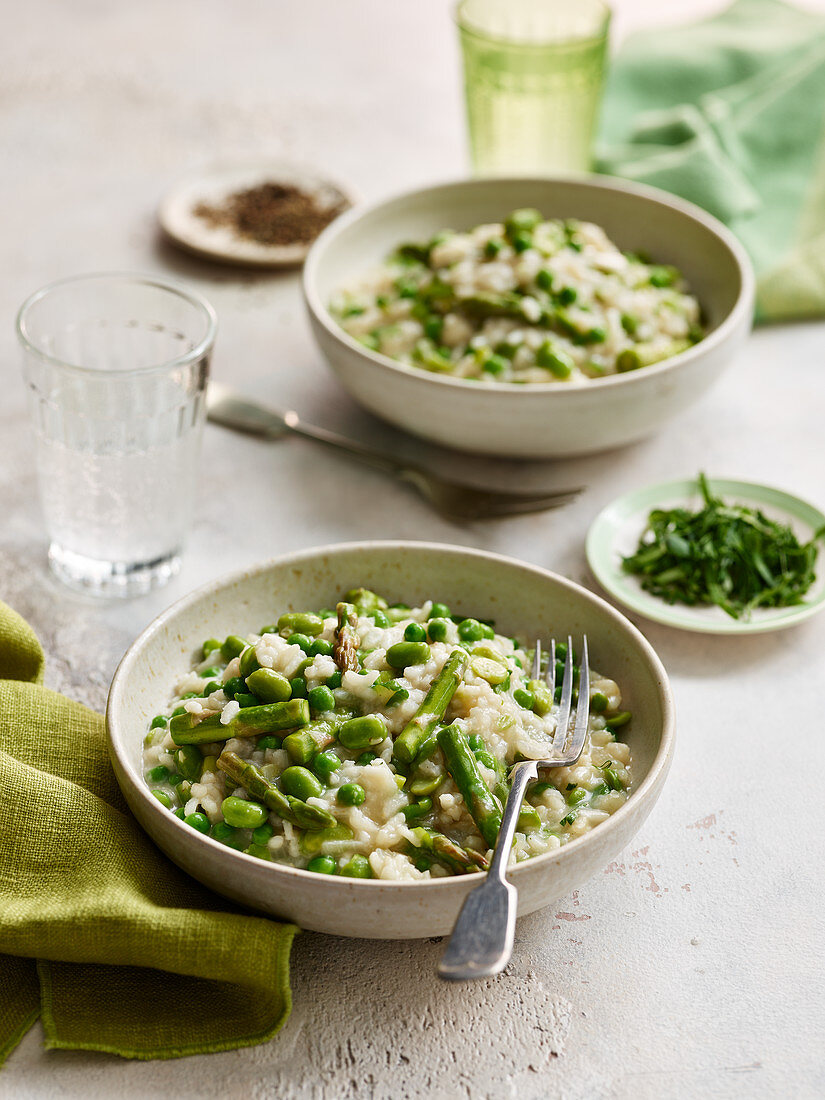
524,698
159,774
318,647
301,783
403,654
287,806
300,622
188,761
351,794
162,797
232,647
321,699
305,743
227,834
324,764
432,709
484,808
415,632
322,865
248,722
599,702
160,721
521,221
197,821
248,662
268,685
345,649
242,814
446,851
357,866
644,355
417,809
209,646
361,733
552,358
726,554
437,629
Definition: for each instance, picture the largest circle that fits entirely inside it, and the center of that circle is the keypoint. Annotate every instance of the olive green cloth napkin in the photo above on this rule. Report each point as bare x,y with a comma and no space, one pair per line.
729,113
100,935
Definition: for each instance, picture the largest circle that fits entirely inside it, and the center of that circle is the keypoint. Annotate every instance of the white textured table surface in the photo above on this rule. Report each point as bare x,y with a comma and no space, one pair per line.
693,966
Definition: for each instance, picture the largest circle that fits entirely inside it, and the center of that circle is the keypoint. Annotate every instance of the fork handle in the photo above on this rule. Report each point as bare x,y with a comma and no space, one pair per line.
482,939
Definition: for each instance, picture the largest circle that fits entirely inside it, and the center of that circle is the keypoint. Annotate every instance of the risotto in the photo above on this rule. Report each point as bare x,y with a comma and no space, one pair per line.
526,300
373,741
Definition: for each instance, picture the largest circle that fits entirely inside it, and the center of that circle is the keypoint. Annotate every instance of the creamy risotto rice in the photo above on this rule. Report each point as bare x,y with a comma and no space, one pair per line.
526,300
341,742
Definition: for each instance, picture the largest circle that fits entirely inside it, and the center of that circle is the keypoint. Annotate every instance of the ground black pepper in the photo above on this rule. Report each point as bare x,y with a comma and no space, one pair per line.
272,214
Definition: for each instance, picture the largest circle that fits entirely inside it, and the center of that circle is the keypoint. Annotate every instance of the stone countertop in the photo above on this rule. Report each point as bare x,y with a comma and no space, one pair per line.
691,967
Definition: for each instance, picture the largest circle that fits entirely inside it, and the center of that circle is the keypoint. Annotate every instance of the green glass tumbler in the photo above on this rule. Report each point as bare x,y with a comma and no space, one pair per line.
533,75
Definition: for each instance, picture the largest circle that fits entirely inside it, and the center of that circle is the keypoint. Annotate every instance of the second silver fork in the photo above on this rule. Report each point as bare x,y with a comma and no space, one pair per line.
482,940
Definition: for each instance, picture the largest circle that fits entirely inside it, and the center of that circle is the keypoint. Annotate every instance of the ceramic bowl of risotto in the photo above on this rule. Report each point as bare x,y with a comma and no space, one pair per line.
529,317
326,737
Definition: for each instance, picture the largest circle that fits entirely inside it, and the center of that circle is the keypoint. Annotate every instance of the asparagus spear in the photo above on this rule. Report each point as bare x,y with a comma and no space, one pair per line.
365,600
484,807
317,736
643,355
186,729
446,851
432,710
286,806
345,650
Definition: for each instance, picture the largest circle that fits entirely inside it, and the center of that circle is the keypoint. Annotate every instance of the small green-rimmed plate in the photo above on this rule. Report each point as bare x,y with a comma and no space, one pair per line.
615,533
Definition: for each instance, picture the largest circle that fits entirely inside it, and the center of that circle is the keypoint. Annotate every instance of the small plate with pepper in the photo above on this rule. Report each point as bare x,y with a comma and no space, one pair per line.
714,556
257,214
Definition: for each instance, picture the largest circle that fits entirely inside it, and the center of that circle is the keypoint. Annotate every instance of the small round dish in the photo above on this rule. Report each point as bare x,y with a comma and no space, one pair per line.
615,533
522,599
211,187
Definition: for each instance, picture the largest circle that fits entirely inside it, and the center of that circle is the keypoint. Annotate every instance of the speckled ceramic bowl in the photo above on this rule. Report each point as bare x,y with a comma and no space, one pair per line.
537,420
521,598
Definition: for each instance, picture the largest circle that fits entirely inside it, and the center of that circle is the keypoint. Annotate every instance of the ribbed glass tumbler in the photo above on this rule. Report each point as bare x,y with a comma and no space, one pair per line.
116,367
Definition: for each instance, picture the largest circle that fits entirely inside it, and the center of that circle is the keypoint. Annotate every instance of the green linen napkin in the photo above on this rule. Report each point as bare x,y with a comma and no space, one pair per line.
100,935
729,113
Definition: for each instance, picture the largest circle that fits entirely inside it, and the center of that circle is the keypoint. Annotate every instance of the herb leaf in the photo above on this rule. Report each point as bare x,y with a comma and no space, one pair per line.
726,554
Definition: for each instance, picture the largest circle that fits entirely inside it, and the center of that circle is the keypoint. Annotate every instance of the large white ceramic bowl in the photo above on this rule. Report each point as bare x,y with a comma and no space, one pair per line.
521,598
535,420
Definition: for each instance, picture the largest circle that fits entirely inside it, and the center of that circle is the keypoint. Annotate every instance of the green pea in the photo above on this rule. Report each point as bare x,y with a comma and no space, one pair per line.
300,622
417,809
326,613
492,248
301,783
268,685
321,699
334,681
197,821
403,654
233,685
242,813
210,673
189,761
189,695
268,741
319,647
439,611
471,630
232,647
262,834
209,646
415,632
298,687
361,733
351,794
159,774
544,279
599,702
365,758
522,241
524,698
357,867
322,865
176,780
542,698
180,812
249,661
159,722
433,327
226,834
324,764
177,711
494,364
437,630
302,640
380,619
213,685
163,798
246,699
567,295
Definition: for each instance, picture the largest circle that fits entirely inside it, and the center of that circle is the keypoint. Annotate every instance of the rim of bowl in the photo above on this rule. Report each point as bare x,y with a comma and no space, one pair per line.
744,303
658,767
171,286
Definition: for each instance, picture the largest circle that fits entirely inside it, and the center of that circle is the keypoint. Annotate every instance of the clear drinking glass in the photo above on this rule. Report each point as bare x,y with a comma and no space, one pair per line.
116,367
533,73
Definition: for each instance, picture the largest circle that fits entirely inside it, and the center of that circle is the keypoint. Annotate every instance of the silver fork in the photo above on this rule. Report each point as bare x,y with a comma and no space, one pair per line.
452,498
482,939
